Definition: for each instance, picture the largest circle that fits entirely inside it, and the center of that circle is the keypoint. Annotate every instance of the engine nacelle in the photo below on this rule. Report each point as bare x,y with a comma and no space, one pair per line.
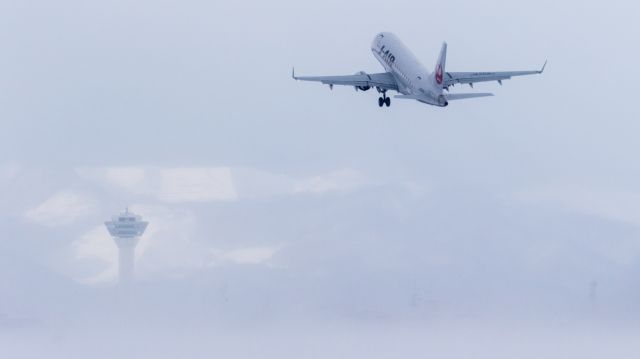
362,88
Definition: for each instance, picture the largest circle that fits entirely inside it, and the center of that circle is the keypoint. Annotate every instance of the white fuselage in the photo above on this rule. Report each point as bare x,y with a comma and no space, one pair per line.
411,76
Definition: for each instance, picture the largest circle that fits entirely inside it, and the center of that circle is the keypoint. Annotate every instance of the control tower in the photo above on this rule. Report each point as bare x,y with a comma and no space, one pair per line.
126,229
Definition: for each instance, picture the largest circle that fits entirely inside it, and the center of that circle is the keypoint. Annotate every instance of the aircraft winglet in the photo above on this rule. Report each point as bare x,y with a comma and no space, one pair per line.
293,73
543,66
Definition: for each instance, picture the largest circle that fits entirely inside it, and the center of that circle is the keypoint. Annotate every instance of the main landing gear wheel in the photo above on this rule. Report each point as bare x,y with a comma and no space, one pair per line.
384,100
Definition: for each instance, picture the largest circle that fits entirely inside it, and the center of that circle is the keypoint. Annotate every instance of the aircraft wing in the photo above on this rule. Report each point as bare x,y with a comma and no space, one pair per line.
452,78
382,80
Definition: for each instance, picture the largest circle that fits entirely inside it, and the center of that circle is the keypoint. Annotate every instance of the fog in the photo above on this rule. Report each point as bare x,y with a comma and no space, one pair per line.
287,220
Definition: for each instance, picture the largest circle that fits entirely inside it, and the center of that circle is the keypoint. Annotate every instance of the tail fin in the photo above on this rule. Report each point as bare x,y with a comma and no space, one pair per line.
438,73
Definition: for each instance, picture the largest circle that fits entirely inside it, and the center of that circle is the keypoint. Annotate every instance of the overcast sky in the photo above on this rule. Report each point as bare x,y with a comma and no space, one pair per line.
270,198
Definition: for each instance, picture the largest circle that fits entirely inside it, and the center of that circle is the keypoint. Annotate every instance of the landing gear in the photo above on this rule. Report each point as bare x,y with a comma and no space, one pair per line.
384,100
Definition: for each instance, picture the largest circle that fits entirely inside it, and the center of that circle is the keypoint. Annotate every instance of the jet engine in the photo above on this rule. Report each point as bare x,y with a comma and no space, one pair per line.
363,88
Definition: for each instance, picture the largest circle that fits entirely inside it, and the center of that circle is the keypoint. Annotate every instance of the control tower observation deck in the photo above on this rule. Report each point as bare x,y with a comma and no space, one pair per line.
126,229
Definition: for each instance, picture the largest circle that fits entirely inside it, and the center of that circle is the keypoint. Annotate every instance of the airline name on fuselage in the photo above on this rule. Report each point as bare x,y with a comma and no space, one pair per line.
387,55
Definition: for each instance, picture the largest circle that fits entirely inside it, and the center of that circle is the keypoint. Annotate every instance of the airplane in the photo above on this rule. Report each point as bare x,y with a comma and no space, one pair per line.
407,76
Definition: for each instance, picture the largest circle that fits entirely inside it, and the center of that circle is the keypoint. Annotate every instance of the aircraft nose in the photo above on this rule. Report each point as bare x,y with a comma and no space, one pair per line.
376,40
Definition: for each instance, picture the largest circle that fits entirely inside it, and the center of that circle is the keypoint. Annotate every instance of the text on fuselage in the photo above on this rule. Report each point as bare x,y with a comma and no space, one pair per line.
387,55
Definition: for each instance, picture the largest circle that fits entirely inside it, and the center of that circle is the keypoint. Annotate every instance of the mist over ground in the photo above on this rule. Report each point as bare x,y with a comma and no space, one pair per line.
287,220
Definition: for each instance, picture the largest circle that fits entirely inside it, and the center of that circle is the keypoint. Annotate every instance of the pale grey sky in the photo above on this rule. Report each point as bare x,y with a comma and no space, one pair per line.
271,199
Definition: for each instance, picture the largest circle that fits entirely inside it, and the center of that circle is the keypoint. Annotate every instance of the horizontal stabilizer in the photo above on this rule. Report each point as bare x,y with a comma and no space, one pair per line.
462,96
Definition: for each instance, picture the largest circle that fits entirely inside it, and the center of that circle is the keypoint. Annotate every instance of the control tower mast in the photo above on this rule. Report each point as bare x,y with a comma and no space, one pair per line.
126,229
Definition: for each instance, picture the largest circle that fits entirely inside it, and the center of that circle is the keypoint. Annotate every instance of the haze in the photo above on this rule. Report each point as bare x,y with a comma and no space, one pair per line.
291,221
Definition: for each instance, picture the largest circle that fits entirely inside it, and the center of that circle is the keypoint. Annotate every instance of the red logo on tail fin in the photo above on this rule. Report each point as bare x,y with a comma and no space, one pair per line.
439,74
